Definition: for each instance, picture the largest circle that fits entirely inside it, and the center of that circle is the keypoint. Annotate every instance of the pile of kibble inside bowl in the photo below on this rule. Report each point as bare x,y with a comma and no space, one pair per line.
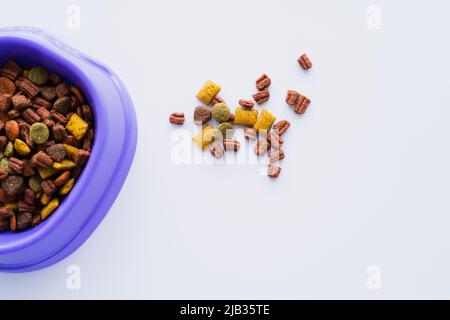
258,126
46,135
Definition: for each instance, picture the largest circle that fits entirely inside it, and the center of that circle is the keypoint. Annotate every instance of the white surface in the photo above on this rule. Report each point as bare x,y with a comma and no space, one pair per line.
364,182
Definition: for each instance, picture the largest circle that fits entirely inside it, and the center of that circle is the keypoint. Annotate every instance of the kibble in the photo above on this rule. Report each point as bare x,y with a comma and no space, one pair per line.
205,137
216,150
46,141
175,118
246,103
231,145
202,115
226,130
263,82
220,112
273,171
265,121
304,62
262,96
208,92
250,134
298,101
281,126
39,133
245,117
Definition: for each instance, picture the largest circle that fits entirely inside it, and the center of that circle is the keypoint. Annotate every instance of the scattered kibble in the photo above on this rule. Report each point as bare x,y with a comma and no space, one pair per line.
262,129
45,141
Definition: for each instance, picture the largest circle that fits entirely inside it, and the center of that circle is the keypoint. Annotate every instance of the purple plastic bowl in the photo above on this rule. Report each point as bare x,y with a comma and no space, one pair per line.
105,172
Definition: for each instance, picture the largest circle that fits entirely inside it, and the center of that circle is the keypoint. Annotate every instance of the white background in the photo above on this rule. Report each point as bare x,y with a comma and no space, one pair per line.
366,176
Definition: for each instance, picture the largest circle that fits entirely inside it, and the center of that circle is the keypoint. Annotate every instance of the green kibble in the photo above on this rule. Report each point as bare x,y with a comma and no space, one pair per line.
9,150
39,133
4,164
226,130
220,112
38,75
35,183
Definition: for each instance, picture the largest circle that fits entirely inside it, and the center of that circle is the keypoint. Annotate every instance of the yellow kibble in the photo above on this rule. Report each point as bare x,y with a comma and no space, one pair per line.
265,121
71,151
45,173
64,165
65,189
49,208
245,117
205,137
11,205
208,92
77,126
21,148
44,199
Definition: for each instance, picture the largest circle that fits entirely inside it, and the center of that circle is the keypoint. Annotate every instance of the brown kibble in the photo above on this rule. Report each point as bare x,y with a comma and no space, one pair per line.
250,134
231,145
29,196
275,140
29,88
6,212
7,86
39,102
202,115
48,93
57,152
304,62
62,105
62,90
12,130
298,101
273,171
82,157
261,97
24,219
16,165
77,93
49,187
23,206
13,185
59,132
276,155
11,70
261,147
177,118
281,126
21,102
36,220
13,223
28,170
216,150
216,100
246,103
302,104
31,116
3,174
5,102
263,82
42,160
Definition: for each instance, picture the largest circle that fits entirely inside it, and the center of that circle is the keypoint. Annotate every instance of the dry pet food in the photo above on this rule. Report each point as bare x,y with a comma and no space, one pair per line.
298,101
202,115
246,103
216,150
226,130
208,92
220,112
304,62
276,155
177,118
250,134
263,82
205,137
245,117
231,145
265,121
37,120
261,147
273,171
281,126
262,96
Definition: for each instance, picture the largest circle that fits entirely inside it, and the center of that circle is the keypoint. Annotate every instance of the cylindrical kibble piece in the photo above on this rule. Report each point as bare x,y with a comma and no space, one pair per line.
263,82
246,103
216,150
208,92
231,145
177,118
205,137
273,171
245,117
265,121
281,126
304,62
